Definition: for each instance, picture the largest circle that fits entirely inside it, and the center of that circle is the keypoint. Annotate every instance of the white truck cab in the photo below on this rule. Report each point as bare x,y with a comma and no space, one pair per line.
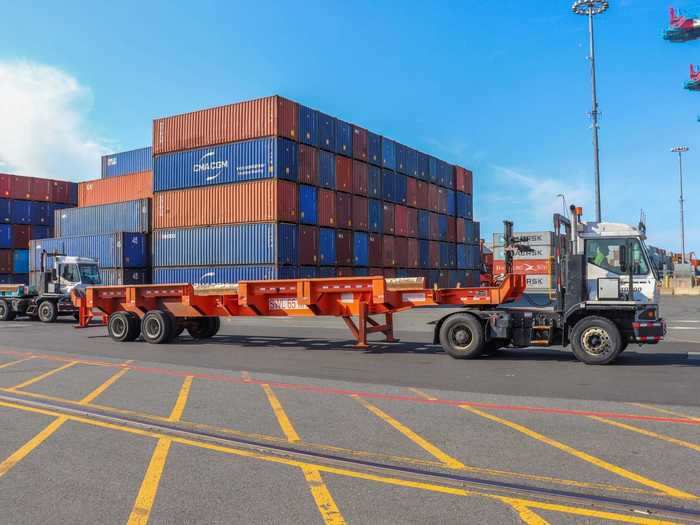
74,272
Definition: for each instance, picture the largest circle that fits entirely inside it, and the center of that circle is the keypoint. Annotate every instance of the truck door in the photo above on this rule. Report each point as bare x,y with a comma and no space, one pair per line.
68,277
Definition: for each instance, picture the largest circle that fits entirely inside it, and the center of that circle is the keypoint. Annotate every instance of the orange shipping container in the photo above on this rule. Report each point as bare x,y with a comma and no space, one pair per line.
268,200
116,189
527,267
264,117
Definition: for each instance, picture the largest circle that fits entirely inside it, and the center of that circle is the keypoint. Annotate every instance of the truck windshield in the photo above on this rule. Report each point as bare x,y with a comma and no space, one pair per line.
89,274
605,253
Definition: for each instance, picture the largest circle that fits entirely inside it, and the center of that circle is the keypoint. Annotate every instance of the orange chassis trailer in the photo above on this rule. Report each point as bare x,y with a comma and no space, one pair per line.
346,297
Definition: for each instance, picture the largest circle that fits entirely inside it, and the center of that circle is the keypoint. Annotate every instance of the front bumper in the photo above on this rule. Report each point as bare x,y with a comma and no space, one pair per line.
649,332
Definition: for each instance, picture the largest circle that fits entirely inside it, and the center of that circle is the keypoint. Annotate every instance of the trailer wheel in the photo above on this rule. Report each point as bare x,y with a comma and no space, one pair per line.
204,327
6,311
123,327
157,327
47,312
596,341
462,336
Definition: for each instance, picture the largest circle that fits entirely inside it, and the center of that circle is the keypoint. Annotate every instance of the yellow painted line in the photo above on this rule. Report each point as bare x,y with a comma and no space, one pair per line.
12,363
43,376
319,491
649,433
527,516
104,386
146,497
423,443
666,411
441,489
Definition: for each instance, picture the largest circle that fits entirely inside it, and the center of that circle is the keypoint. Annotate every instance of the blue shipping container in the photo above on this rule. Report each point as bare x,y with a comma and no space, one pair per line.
444,255
41,232
411,162
388,154
326,132
20,261
5,236
114,250
326,246
375,215
401,158
442,226
401,183
5,211
432,169
21,212
472,230
127,162
343,138
424,254
255,244
423,225
308,125
374,148
423,165
40,213
360,249
326,271
451,203
470,208
222,274
326,169
267,158
374,182
388,185
307,272
307,205
462,256
130,216
20,278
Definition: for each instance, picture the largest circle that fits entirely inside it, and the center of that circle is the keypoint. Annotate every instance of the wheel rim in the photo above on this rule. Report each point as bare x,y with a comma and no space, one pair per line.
596,341
3,309
460,337
44,311
118,326
153,328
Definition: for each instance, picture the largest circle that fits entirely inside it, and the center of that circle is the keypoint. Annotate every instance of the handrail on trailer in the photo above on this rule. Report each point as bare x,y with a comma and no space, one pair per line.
346,297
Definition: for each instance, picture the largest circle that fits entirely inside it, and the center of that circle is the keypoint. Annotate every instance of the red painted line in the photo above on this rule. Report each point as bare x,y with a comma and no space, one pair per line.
371,395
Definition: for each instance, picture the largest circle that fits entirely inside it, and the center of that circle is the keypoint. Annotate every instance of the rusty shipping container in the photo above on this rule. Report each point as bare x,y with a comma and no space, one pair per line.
264,117
116,189
343,173
5,185
359,178
267,200
308,245
326,208
359,143
21,187
388,253
422,195
400,220
412,192
308,165
343,209
41,189
360,213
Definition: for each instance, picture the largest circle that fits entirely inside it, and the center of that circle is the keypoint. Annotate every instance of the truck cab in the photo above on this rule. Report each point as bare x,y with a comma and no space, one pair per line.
69,273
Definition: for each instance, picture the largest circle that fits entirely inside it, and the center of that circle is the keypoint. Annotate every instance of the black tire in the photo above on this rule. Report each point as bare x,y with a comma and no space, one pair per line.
47,312
123,327
214,326
462,336
596,341
157,327
204,327
6,311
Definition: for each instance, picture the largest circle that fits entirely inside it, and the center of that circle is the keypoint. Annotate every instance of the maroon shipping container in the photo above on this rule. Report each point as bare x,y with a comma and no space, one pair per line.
308,165
400,220
461,231
469,184
388,218
412,192
422,195
433,197
343,248
21,187
5,185
360,220
463,180
443,279
434,254
412,253
5,261
343,272
359,178
359,143
41,189
343,173
389,273
60,191
452,229
265,117
376,271
21,235
343,209
308,245
412,220
326,208
401,251
442,200
375,250
388,253
434,224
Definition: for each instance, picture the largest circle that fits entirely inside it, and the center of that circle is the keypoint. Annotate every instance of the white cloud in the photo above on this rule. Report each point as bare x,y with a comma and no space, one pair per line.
43,128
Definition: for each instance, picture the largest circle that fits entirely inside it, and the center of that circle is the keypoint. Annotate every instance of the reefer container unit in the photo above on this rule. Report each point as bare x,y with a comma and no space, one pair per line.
120,188
115,250
241,244
132,216
265,117
222,274
127,162
267,158
257,201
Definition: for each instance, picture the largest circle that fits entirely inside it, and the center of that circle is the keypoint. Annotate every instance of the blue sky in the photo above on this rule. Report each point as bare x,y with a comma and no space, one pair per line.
499,87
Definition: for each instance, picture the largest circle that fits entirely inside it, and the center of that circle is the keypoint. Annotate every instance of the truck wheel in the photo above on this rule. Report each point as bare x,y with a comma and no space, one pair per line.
204,327
47,312
6,311
596,341
157,327
462,336
123,327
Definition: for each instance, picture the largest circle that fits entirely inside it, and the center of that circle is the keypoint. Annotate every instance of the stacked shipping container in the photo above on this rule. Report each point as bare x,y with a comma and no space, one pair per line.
537,263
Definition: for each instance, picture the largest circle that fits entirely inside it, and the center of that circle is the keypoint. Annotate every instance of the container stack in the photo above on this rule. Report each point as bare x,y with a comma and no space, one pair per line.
537,263
27,206
269,189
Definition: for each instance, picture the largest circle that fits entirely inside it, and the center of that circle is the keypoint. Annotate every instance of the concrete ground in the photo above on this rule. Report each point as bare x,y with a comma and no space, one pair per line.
281,421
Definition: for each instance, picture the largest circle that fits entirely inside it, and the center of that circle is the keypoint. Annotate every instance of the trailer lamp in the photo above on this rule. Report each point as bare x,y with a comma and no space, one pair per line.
648,314
579,211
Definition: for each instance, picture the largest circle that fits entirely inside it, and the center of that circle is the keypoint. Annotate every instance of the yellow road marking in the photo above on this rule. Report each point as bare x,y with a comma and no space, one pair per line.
649,433
431,449
527,516
441,489
143,505
104,386
319,491
666,411
12,363
43,376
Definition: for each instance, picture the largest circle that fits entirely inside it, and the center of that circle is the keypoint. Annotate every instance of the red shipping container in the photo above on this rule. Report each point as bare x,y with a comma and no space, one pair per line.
412,257
41,189
433,198
60,191
451,229
360,219
442,200
308,165
460,179
308,244
5,185
343,272
343,173
422,195
359,143
388,218
461,231
343,209
21,235
389,273
412,192
359,178
412,219
388,254
434,225
326,208
21,187
265,117
401,251
401,220
375,250
469,182
5,261
434,254
124,188
343,248
376,271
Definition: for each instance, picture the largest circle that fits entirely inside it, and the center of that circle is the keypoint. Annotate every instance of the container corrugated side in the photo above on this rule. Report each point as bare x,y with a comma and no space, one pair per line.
127,162
5,211
116,189
118,250
132,216
5,185
118,277
20,261
222,274
308,126
265,117
308,165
